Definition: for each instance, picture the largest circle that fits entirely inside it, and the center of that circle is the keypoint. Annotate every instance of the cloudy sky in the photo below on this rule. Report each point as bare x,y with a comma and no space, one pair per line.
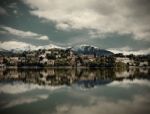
117,25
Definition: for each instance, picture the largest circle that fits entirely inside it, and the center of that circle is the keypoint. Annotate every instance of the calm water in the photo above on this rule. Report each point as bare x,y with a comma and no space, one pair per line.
75,91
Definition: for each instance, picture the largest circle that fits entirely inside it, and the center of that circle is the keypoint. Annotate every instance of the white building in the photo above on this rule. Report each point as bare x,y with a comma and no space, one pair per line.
144,63
125,60
50,62
48,52
44,61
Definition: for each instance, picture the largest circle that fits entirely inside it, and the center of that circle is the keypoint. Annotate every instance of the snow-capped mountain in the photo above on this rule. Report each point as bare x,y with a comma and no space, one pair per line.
80,49
91,50
5,52
31,48
14,50
50,46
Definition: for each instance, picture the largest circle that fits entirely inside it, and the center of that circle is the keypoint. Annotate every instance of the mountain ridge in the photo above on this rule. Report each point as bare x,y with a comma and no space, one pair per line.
80,49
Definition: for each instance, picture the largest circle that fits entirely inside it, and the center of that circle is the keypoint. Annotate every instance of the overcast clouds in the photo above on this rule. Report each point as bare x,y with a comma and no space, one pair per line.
104,23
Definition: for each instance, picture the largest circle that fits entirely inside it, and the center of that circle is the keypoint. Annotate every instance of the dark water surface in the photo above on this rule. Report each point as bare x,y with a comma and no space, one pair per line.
75,91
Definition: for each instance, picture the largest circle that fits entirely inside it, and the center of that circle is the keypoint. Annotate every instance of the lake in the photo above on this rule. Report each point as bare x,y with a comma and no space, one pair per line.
75,91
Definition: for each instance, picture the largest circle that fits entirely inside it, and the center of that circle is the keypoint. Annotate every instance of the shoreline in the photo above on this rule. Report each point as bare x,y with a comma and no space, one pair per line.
67,67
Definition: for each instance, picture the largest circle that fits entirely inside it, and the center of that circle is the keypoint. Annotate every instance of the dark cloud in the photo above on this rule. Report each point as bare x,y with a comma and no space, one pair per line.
140,5
3,11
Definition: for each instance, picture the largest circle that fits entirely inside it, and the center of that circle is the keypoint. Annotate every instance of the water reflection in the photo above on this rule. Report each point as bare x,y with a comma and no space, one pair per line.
73,91
88,77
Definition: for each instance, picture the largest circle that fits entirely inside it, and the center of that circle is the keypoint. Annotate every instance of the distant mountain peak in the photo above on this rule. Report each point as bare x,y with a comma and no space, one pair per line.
92,50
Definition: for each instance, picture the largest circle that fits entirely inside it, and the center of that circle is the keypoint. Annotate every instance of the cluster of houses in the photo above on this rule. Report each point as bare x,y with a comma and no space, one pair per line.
59,57
132,60
41,58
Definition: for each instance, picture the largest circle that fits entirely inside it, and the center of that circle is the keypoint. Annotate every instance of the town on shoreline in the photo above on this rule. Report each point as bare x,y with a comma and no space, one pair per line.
68,58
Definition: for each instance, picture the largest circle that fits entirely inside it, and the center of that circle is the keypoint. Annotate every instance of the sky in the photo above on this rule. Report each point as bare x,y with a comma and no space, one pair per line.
115,25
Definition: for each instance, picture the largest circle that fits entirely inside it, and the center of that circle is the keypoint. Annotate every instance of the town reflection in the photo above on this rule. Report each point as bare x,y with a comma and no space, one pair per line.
68,76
